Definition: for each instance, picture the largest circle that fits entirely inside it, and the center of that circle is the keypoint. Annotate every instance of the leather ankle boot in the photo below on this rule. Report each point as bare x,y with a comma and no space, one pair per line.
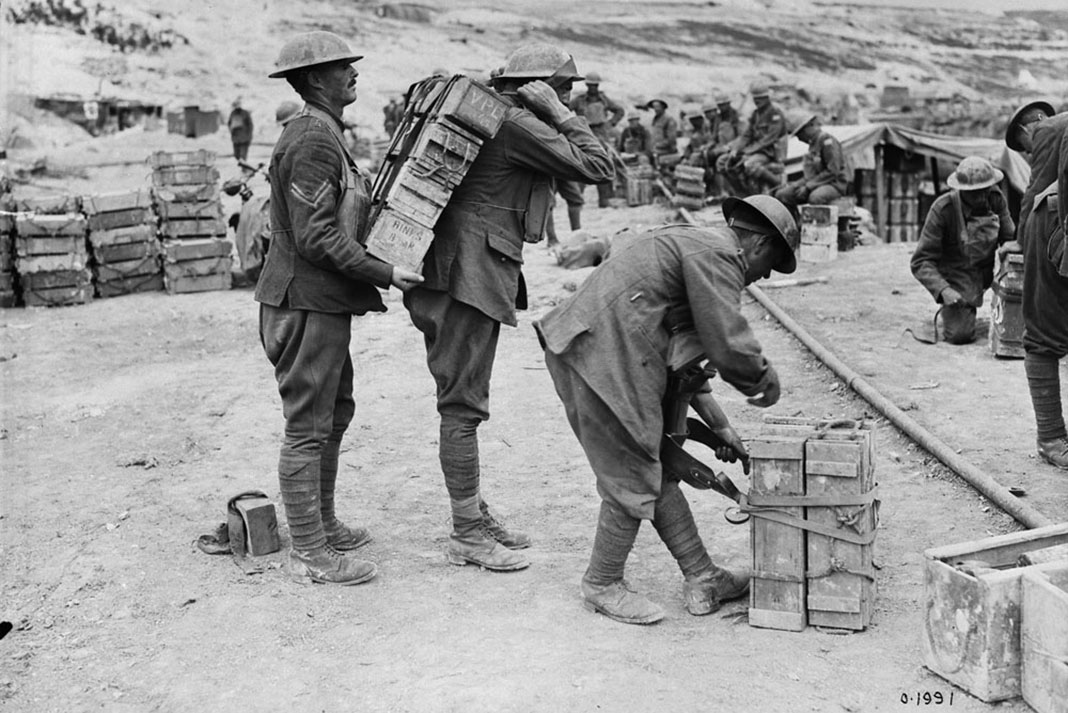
1055,452
705,593
512,539
328,566
471,543
619,602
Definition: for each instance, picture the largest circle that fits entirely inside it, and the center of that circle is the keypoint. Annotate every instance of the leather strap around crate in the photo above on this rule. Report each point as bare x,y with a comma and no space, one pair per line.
767,508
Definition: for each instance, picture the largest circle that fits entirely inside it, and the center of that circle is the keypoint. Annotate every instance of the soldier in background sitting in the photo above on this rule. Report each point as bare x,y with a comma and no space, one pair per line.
823,178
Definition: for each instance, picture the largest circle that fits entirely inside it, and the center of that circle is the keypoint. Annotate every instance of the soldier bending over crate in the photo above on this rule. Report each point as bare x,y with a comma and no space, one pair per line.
607,350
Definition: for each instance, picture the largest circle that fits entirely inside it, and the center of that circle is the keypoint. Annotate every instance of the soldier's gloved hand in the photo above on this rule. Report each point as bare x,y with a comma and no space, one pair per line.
951,297
404,280
1010,247
770,395
542,99
735,448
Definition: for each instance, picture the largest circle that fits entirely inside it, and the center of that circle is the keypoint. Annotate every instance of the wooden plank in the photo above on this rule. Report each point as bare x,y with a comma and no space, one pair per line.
841,584
1002,550
1044,639
777,590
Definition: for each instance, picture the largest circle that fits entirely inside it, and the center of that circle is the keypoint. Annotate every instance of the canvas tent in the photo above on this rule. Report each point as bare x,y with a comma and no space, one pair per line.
865,146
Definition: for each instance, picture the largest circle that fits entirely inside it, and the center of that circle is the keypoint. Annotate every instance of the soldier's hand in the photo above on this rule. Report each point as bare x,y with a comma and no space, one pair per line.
770,395
951,297
404,280
1010,247
543,100
734,449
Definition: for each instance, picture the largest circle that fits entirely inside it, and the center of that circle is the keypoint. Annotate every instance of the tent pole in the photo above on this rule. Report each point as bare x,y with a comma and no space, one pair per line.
880,194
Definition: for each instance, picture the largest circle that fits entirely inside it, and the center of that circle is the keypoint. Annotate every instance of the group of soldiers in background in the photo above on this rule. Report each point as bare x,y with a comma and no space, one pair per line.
739,157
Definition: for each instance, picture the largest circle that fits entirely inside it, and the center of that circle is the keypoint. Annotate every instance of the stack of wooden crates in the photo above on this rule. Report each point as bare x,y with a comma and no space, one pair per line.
639,180
196,257
689,187
52,256
8,293
903,207
425,163
819,233
122,235
813,517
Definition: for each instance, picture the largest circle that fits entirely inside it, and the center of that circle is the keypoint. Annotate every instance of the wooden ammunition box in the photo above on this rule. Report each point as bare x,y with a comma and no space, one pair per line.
121,218
818,252
185,210
416,197
903,211
177,250
972,616
777,589
197,268
192,228
194,192
1006,310
124,252
57,245
148,265
903,185
170,159
398,240
818,214
116,201
682,200
200,283
7,261
902,233
258,524
443,153
50,205
474,106
57,296
184,175
7,282
130,285
50,225
51,263
8,298
1044,638
639,190
53,280
145,233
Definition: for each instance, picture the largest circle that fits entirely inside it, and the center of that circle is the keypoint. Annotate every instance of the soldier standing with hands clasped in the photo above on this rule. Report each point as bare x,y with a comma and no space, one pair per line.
316,276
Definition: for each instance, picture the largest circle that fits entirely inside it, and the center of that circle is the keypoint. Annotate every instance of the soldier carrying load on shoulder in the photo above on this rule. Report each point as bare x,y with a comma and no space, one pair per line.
473,279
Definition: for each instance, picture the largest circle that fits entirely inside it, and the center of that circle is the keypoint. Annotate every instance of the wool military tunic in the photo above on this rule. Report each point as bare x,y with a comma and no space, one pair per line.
611,335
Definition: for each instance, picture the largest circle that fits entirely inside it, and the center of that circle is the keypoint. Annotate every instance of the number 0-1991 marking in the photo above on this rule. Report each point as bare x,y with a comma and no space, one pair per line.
927,698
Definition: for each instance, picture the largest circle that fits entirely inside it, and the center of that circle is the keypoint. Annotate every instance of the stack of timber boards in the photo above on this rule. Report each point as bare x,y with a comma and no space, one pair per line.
903,207
52,257
196,258
122,235
813,518
8,291
689,186
445,125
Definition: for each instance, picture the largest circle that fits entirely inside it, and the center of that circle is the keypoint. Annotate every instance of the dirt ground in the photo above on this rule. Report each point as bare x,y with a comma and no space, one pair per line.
127,423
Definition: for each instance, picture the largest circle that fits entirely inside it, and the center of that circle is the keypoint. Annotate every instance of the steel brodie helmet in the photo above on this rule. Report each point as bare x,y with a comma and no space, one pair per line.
1026,114
540,60
974,173
309,49
761,212
797,120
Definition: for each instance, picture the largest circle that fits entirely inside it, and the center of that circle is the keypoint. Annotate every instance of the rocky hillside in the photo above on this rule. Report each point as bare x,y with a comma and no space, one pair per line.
831,54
